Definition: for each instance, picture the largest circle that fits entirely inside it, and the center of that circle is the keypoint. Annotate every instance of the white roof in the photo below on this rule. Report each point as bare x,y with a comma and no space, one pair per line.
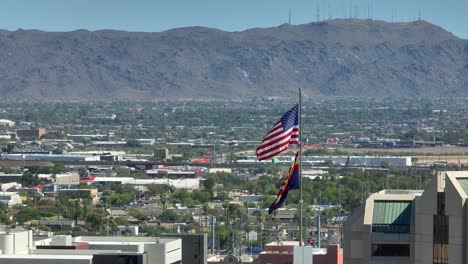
65,257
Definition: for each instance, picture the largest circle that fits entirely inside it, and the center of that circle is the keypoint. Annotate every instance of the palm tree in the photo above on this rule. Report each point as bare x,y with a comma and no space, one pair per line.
163,199
226,207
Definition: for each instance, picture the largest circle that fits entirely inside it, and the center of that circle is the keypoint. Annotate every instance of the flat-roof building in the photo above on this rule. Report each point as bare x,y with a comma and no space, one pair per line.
20,247
30,133
6,122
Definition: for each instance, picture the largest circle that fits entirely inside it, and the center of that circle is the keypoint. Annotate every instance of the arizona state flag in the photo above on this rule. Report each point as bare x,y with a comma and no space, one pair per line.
290,183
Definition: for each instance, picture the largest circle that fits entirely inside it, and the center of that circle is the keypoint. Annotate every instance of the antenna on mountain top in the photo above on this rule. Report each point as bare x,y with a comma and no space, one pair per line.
329,11
368,10
289,20
318,11
342,9
350,9
419,15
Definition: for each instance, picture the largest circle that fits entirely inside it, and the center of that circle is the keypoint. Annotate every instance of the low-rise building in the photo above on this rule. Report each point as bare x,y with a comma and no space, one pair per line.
7,123
9,178
80,194
30,133
21,247
10,198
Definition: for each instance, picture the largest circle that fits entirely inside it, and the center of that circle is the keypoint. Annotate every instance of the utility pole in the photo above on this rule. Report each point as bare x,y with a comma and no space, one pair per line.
213,222
214,146
318,228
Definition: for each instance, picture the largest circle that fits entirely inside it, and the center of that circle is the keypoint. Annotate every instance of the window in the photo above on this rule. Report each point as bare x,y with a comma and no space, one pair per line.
440,232
390,250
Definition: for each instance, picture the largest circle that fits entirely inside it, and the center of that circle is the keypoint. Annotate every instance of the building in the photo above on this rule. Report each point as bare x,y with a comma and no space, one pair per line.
284,253
146,141
59,225
15,242
48,157
9,185
8,178
162,154
189,184
173,174
68,178
194,247
80,194
18,247
404,226
131,229
7,123
30,133
10,198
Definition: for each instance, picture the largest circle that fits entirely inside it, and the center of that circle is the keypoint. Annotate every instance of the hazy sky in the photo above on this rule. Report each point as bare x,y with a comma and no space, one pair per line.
231,15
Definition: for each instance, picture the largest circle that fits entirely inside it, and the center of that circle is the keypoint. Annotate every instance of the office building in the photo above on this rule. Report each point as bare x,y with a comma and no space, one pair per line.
404,226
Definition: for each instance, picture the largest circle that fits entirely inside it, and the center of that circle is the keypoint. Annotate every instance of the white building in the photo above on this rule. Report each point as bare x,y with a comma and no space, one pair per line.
133,229
6,122
10,198
190,184
5,186
19,247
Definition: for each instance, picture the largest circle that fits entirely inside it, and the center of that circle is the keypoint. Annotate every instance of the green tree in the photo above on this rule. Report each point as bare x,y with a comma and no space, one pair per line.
29,179
168,216
209,182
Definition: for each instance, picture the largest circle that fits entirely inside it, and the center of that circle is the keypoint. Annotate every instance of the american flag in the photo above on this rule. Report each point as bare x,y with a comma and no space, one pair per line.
283,133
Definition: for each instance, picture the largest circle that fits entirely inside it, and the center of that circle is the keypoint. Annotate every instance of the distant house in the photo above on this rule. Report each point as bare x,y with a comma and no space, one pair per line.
10,198
7,178
59,225
80,194
6,123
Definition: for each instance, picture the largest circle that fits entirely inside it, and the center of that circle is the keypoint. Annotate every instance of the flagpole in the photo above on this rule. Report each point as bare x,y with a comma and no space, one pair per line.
301,200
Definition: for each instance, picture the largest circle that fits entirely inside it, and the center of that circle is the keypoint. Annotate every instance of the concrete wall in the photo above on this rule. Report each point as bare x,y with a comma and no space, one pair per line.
194,247
356,238
333,256
15,242
282,254
425,209
159,250
164,253
455,198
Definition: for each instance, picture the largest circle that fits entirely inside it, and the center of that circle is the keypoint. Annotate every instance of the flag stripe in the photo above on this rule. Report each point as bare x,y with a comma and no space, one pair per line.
277,151
280,136
271,146
273,134
268,143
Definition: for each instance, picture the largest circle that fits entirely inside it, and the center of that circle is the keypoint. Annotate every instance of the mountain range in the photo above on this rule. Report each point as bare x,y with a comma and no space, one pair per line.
351,57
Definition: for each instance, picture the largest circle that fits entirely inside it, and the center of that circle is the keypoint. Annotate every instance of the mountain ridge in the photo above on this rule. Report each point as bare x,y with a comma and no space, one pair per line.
363,58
